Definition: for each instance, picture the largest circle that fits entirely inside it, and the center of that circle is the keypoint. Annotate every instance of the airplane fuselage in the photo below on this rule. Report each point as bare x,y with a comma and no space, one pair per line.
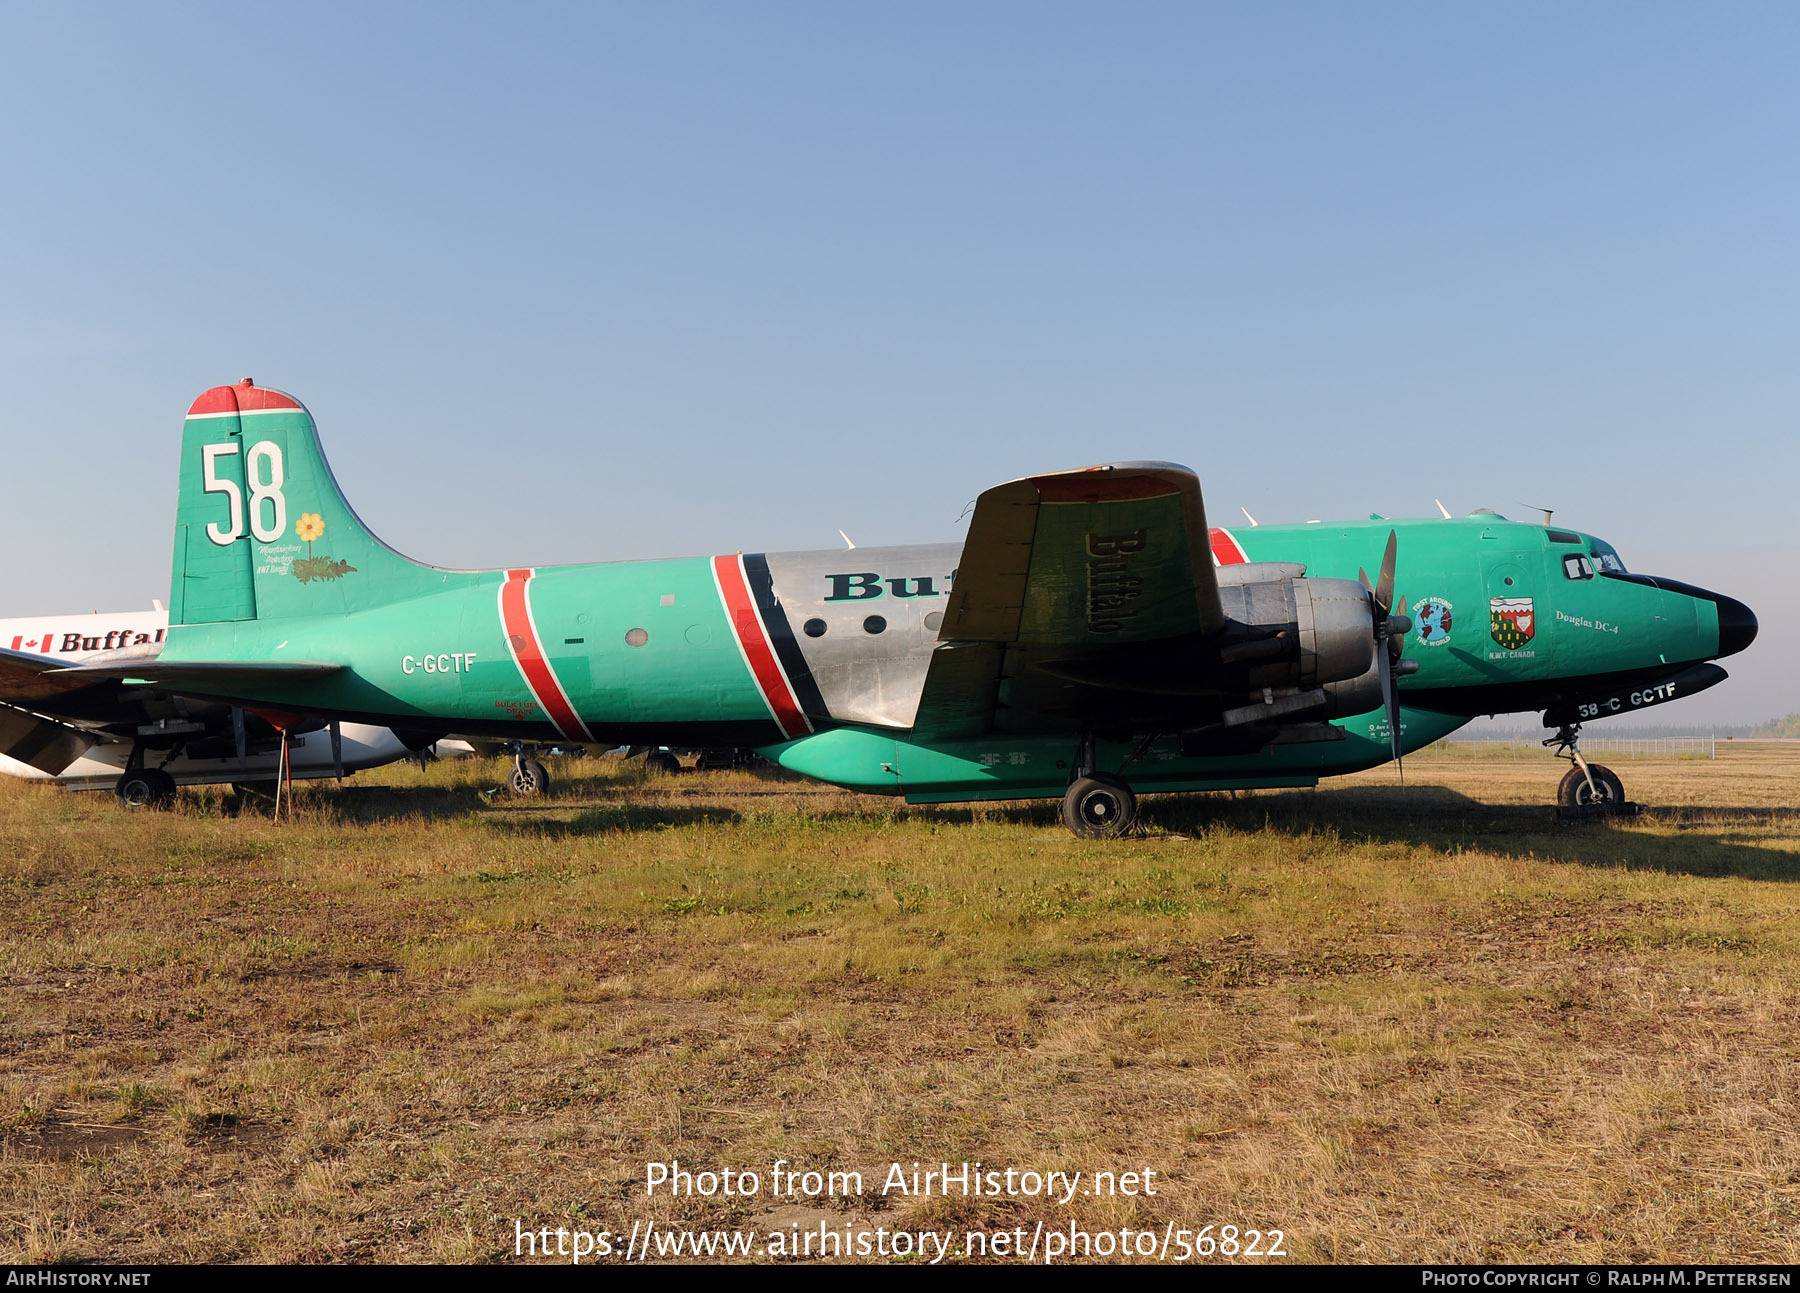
819,658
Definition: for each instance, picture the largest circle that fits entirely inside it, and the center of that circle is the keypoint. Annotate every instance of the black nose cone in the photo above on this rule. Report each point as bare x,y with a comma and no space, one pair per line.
1737,625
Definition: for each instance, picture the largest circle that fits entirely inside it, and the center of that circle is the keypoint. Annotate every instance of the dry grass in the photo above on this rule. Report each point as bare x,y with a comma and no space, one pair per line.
1398,1025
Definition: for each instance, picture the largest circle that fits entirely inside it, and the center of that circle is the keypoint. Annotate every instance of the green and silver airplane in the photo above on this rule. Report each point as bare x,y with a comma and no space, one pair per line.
1090,638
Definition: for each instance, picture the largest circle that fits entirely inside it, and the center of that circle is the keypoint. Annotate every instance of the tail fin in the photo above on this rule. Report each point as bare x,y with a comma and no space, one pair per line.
261,529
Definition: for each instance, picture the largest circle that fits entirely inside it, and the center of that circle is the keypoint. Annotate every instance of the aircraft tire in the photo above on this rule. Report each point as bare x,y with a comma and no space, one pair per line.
1099,807
529,777
1574,791
146,788
662,761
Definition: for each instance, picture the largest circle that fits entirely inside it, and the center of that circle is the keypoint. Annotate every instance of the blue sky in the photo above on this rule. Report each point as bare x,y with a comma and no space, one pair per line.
579,282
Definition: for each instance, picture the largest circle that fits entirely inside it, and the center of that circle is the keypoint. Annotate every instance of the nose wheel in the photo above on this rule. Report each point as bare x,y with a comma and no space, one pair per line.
528,776
1587,789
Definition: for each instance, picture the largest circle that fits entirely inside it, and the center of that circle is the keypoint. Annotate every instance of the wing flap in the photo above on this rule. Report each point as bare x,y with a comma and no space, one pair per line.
961,691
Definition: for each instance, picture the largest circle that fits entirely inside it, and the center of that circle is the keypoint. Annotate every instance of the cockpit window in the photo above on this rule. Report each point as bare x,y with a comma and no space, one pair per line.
1577,566
1609,562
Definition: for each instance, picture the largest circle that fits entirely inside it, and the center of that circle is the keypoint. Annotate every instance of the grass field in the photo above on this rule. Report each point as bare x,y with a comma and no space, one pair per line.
1395,1024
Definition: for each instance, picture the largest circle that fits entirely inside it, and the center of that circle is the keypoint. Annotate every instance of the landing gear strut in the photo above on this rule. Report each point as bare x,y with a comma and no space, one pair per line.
1587,789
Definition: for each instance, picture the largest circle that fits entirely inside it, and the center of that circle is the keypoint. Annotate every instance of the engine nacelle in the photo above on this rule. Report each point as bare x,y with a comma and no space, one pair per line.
1298,632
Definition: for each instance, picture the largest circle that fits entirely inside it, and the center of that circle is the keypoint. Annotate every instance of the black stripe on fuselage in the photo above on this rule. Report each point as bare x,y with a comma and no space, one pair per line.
781,636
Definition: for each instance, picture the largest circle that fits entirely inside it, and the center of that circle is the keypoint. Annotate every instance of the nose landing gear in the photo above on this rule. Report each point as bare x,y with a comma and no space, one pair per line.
528,776
1588,789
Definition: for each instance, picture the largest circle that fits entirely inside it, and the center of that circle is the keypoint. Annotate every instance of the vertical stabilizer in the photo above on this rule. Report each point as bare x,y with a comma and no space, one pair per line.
262,531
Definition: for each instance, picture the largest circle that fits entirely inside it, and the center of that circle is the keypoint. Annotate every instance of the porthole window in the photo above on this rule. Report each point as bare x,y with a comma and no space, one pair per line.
934,621
814,628
874,624
636,638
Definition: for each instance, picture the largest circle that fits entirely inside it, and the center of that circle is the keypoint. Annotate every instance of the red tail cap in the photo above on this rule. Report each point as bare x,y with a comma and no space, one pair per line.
245,397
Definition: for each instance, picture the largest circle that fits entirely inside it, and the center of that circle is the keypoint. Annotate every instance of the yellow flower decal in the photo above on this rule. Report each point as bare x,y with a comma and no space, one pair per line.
311,526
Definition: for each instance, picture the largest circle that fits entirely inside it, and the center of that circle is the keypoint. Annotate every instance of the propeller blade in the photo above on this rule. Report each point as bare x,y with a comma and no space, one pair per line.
1390,693
1384,587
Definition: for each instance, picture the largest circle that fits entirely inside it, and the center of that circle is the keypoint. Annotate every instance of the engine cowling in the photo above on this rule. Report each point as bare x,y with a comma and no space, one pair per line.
1291,631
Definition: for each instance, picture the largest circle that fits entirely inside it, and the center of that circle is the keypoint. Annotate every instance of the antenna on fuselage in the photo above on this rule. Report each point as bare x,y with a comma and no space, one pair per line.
1442,509
1548,512
1246,511
846,539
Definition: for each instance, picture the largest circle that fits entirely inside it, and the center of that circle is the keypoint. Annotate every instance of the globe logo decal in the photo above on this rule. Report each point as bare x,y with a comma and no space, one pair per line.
1433,619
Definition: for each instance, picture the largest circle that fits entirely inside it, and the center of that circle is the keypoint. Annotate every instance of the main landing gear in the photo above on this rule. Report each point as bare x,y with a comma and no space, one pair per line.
142,787
1100,805
1587,789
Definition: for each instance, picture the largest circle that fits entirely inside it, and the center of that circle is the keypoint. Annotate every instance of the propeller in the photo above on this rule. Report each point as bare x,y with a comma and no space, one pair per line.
1391,625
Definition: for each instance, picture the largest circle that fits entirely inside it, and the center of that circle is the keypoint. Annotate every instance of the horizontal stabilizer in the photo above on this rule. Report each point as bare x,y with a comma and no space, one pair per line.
205,677
49,747
25,678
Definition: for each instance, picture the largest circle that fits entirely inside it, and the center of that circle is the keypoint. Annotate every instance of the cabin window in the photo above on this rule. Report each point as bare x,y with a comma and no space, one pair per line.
814,628
1577,566
874,624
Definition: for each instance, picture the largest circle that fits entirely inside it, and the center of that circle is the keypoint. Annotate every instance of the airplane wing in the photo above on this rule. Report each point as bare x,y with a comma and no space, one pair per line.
1067,574
1100,556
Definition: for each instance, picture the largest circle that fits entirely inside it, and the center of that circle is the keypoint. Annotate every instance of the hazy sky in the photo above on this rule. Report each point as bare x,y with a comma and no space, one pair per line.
577,282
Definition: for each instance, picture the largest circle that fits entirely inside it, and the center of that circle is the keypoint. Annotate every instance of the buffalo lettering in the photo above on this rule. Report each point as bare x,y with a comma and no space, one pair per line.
867,584
1111,587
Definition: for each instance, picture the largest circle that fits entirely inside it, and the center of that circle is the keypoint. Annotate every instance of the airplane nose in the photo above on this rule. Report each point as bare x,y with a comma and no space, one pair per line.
1737,624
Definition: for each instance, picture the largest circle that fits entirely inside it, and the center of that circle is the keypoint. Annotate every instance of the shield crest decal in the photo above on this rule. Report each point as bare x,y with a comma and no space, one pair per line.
1513,621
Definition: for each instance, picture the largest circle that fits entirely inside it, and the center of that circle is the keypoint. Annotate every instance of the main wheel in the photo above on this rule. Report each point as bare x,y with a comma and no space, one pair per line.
146,788
662,761
529,778
1606,792
1100,807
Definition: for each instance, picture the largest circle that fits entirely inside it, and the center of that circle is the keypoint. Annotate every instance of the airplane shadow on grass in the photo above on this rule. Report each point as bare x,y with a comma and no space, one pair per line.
547,817
1709,841
1698,841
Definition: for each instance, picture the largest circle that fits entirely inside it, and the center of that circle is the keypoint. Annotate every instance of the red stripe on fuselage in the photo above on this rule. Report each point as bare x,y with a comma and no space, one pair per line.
740,610
1227,551
528,653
